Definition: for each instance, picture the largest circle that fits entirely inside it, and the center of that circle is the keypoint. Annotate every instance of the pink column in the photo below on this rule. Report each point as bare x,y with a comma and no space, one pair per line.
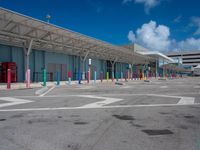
8,79
28,78
88,76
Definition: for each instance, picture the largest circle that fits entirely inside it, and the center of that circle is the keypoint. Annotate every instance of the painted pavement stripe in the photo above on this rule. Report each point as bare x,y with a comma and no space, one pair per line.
98,107
47,91
187,100
107,101
12,101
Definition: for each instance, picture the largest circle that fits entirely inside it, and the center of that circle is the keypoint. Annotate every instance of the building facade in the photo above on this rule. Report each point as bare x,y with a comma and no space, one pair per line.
186,58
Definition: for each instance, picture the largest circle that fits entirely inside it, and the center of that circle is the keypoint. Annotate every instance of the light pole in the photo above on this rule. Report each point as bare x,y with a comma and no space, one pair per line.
48,17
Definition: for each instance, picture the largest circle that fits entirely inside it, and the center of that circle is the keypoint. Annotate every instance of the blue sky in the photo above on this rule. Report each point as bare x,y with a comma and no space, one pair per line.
156,24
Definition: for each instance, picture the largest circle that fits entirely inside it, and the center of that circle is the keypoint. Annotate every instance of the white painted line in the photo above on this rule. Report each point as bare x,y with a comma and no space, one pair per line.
164,87
158,95
12,101
107,101
48,91
186,100
98,107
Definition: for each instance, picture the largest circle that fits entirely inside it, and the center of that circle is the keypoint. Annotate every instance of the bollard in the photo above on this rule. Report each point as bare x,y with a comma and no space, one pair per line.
121,76
101,76
51,76
142,75
107,76
88,76
8,79
125,77
95,76
69,77
112,76
128,75
45,77
28,78
117,76
58,78
79,77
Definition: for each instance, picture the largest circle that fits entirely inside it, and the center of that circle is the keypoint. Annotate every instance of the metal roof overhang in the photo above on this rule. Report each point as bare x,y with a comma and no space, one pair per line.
157,55
17,29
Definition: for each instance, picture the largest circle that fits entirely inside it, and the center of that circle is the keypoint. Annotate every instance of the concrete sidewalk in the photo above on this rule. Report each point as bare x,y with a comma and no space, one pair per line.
3,86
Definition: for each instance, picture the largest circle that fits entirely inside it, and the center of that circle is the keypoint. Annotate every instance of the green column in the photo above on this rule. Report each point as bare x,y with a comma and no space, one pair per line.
107,76
117,76
45,77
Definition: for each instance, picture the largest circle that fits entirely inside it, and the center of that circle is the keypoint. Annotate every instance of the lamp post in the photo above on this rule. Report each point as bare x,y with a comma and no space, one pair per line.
48,17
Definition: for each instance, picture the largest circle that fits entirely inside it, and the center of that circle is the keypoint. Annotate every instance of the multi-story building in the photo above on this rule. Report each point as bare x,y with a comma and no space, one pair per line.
186,58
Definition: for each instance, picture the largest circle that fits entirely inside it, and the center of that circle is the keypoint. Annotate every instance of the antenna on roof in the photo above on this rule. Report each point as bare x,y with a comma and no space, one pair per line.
48,17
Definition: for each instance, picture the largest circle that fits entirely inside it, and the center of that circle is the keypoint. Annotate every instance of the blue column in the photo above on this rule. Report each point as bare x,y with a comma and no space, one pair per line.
95,76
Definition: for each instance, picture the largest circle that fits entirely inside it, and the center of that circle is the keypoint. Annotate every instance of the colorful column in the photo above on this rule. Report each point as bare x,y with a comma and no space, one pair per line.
112,76
44,77
28,78
101,76
117,76
95,76
122,76
8,79
79,76
58,78
88,76
107,76
69,77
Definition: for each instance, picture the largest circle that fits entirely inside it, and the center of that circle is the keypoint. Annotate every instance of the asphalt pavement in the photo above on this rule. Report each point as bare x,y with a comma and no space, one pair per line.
157,115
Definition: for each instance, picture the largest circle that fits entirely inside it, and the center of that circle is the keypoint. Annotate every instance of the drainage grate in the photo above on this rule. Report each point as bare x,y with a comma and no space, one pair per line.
157,132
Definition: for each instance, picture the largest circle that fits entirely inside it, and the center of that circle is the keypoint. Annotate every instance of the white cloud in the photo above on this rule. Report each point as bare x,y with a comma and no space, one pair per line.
189,44
196,22
177,19
157,38
152,36
131,36
148,4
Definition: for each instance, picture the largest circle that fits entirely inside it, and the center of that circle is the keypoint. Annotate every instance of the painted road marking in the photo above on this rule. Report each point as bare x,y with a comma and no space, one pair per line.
97,107
164,87
107,101
186,100
13,101
47,91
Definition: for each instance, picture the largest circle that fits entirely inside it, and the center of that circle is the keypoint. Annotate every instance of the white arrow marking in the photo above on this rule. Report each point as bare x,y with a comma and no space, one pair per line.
186,100
107,101
12,101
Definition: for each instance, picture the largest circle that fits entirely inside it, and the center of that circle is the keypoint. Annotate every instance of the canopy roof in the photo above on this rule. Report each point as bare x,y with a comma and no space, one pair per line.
157,55
17,29
198,66
175,68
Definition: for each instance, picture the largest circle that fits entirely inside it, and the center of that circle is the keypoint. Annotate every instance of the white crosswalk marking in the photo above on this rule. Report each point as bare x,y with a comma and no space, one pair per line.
12,101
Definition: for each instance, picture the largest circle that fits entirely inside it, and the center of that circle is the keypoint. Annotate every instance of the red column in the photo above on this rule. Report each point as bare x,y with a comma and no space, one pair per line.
8,79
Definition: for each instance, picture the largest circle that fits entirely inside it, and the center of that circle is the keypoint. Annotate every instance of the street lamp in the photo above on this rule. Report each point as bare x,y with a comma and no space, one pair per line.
48,17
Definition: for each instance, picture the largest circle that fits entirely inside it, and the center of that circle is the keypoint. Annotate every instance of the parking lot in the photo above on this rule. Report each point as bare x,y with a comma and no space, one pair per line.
156,115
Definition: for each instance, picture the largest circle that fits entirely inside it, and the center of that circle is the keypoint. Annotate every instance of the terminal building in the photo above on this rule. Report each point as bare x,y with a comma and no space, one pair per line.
186,58
28,43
